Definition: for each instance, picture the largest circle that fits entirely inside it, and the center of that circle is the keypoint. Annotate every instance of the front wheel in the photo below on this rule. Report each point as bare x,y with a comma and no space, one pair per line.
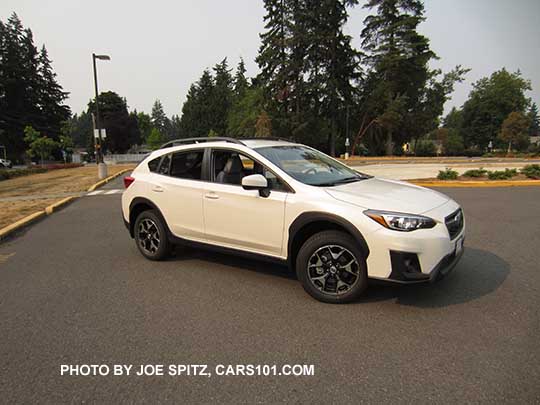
151,236
332,268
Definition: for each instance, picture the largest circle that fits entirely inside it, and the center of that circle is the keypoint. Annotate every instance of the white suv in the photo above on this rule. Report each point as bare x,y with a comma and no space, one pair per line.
291,203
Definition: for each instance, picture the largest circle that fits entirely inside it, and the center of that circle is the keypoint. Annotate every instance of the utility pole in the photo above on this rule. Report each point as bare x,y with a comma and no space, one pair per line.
347,142
102,167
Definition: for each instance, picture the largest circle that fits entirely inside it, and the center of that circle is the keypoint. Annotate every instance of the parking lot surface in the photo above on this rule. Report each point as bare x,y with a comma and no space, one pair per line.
75,290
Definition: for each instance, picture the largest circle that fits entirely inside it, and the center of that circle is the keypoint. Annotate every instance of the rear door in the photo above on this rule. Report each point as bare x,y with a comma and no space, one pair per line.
177,189
239,218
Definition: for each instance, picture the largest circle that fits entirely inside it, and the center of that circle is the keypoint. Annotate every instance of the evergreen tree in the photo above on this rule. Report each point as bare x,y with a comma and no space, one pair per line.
29,92
534,129
176,132
122,128
332,62
197,113
397,57
145,125
245,112
51,97
240,82
155,139
222,94
159,119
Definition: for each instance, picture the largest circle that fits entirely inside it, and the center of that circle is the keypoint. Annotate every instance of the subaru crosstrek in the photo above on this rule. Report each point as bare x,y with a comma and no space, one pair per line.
288,202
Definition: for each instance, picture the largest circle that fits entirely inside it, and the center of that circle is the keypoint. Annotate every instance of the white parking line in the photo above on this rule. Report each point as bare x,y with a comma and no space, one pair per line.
105,192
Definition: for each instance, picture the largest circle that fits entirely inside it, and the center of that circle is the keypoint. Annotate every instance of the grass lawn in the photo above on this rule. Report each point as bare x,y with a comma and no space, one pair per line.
53,182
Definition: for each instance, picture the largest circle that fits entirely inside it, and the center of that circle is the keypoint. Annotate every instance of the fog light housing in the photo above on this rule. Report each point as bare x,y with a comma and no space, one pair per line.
406,267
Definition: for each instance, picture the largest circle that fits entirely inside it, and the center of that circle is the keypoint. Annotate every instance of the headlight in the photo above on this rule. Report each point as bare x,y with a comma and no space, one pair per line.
400,222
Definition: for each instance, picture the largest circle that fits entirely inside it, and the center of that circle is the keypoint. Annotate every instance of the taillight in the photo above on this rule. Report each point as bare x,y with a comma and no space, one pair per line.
128,180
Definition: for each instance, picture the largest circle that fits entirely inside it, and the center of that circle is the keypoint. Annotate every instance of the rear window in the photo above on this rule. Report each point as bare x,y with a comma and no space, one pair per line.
187,165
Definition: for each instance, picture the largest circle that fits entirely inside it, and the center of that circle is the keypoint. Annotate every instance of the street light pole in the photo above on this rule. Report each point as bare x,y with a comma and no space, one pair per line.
347,142
102,167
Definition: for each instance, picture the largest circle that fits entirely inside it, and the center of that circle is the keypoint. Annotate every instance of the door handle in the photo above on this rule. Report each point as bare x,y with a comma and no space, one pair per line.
211,196
157,189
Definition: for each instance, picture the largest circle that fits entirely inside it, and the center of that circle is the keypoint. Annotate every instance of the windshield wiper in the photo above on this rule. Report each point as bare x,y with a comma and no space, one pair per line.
341,181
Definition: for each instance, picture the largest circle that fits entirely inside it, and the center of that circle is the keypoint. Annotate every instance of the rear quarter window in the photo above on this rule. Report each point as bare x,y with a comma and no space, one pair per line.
153,164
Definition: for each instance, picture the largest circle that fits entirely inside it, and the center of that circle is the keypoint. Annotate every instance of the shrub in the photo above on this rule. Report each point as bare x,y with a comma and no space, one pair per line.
475,173
9,174
502,174
424,148
447,174
473,152
532,171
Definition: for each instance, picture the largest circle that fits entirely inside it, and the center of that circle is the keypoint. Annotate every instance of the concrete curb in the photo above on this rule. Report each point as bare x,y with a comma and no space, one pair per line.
105,181
7,230
493,183
21,223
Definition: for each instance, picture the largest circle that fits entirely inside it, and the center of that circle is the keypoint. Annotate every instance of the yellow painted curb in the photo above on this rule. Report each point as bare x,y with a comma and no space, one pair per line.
493,183
53,207
105,181
20,223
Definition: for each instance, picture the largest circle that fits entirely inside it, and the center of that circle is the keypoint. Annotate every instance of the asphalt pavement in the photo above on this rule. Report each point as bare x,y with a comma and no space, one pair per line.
75,290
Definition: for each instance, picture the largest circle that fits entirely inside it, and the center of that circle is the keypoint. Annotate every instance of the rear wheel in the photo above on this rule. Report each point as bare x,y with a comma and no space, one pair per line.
151,236
332,268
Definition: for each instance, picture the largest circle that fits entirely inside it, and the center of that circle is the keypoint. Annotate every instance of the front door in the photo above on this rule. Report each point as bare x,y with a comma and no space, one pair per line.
239,218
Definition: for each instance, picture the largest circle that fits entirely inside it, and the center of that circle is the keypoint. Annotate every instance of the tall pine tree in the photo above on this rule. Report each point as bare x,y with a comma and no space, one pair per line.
29,92
397,57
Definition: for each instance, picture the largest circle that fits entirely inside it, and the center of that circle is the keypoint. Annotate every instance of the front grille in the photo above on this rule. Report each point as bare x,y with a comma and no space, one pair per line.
454,223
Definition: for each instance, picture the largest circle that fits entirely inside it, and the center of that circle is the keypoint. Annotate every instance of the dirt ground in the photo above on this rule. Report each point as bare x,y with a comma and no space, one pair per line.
52,182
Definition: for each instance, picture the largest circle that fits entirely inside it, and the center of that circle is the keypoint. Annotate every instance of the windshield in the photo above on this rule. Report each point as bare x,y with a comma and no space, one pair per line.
310,166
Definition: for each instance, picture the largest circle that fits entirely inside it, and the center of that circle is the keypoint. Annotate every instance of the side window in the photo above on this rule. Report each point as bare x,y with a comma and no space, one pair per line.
164,166
274,182
229,167
153,164
187,165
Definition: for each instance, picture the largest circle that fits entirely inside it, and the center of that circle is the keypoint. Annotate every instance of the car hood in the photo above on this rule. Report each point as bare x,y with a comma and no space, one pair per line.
388,195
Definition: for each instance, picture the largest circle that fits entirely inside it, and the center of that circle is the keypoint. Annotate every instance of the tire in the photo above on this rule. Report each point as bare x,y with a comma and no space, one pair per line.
151,236
332,268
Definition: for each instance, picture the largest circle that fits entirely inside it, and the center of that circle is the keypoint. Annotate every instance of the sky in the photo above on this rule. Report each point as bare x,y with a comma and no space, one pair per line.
158,48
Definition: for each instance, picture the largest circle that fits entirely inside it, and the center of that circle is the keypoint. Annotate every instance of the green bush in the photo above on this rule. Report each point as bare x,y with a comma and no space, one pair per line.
475,173
532,171
502,174
425,148
9,174
473,152
447,174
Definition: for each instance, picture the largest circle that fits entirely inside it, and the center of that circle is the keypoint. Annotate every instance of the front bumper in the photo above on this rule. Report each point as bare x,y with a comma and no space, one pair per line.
446,265
415,257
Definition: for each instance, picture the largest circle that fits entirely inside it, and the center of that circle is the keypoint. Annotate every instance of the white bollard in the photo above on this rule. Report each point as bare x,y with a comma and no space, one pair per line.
102,171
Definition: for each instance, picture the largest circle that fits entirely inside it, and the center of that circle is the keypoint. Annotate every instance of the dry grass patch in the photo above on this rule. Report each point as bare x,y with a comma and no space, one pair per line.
55,181
12,211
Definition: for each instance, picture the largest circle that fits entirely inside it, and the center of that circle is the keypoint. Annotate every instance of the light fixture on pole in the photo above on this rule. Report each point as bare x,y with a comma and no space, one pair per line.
102,168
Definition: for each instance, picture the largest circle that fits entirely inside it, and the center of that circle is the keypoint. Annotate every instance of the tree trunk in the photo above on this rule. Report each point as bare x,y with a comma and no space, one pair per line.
509,148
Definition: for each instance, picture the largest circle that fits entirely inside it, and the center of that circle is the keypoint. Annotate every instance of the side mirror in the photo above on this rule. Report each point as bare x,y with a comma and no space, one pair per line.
256,182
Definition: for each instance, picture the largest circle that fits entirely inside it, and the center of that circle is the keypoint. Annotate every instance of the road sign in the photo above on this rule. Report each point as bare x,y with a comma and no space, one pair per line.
103,134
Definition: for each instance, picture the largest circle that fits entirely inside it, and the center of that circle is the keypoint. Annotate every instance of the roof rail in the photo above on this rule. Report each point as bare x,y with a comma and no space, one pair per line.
186,141
265,138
